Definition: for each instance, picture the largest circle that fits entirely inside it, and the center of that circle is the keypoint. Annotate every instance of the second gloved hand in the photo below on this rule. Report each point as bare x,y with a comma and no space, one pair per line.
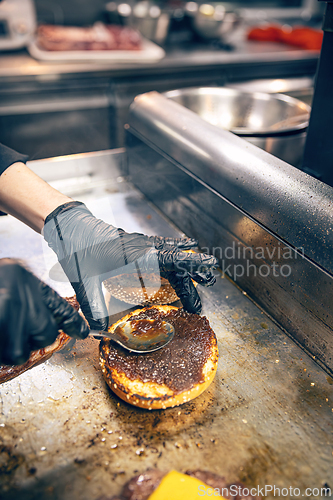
88,249
31,313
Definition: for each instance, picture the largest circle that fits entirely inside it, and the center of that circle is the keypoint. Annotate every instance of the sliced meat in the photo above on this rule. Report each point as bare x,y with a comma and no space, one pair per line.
97,37
242,490
215,481
109,498
142,486
211,479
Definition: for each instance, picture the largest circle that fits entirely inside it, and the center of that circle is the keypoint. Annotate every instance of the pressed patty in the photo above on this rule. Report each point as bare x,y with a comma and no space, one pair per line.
170,376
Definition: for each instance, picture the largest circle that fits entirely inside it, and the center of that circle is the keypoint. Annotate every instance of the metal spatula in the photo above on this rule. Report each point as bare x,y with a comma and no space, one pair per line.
139,336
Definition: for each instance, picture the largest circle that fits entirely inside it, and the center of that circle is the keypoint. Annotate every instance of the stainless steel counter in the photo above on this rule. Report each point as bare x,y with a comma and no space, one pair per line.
266,420
53,109
21,65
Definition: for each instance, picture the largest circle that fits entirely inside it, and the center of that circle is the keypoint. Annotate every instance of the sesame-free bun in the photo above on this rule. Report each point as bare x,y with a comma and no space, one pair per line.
145,291
171,376
126,287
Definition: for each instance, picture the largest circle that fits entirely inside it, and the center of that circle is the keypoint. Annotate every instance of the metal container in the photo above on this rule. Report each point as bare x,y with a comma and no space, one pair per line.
145,16
301,88
212,21
275,123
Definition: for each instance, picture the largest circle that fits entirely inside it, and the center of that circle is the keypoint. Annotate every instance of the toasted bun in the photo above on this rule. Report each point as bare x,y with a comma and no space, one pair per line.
155,290
149,290
141,385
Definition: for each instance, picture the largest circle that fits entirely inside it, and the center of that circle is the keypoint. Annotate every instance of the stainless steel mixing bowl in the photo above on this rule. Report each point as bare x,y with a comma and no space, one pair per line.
275,123
213,20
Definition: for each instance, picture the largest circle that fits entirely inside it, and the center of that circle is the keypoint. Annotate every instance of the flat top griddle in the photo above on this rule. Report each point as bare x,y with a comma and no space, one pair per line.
266,419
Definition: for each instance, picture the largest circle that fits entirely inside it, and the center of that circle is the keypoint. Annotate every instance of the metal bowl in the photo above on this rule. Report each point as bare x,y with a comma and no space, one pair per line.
275,123
145,16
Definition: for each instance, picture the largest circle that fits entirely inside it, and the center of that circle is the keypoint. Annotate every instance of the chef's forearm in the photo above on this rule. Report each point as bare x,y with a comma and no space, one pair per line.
27,197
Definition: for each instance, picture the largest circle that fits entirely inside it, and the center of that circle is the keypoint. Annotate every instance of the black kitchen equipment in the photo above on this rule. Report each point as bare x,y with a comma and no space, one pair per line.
318,152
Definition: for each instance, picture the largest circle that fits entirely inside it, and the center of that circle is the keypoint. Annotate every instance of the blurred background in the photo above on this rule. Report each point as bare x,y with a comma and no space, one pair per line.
86,12
61,102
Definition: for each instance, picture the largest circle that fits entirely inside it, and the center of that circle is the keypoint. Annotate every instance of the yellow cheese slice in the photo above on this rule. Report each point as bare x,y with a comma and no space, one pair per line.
177,486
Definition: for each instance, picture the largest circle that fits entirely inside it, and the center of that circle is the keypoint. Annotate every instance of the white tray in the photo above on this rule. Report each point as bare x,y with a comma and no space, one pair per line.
149,53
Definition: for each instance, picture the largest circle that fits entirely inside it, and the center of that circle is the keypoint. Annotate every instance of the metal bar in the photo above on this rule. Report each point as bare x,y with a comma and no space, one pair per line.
55,105
267,222
283,199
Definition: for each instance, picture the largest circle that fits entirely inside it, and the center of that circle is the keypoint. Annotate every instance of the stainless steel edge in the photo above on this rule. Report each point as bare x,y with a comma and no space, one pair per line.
287,124
289,203
60,104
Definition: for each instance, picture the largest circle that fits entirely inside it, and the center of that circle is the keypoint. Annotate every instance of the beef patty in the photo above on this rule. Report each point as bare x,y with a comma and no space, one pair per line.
173,375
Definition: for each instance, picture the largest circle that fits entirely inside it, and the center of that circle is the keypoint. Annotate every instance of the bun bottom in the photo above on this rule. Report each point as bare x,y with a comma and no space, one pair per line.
151,395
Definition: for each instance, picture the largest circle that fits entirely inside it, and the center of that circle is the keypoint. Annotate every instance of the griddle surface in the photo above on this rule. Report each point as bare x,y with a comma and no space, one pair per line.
266,419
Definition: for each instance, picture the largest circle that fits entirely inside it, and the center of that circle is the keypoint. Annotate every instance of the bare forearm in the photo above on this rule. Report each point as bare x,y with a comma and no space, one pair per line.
27,197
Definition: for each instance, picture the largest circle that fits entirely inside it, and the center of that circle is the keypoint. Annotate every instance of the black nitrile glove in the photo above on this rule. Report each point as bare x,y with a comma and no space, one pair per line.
31,313
88,249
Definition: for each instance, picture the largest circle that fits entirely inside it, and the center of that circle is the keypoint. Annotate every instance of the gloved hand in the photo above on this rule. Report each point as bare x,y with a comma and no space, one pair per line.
31,313
88,249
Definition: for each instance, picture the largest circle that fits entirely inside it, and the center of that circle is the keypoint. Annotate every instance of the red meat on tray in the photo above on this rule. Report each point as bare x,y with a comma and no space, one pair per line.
97,37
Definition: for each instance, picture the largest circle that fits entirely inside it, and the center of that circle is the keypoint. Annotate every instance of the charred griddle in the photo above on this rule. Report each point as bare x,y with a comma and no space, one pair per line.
269,223
265,420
